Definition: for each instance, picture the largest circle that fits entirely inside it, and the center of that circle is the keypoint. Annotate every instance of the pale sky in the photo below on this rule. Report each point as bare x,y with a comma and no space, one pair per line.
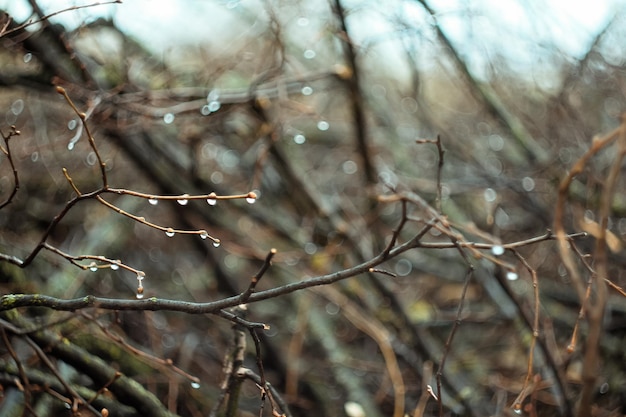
570,25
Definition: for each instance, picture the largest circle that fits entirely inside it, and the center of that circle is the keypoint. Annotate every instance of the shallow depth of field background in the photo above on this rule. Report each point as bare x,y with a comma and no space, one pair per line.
239,96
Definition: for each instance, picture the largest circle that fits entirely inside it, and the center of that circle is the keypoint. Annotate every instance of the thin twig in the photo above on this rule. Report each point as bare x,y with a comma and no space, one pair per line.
7,152
5,32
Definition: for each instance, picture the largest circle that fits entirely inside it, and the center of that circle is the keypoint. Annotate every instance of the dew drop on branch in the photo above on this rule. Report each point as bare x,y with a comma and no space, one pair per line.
195,385
168,118
512,276
490,195
140,277
306,90
214,106
115,266
497,250
217,243
213,95
251,199
170,232
27,57
93,267
153,201
323,125
528,184
211,201
71,125
184,200
299,139
203,235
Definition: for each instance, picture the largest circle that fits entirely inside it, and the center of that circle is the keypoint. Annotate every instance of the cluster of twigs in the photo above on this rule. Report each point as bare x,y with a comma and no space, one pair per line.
231,308
96,262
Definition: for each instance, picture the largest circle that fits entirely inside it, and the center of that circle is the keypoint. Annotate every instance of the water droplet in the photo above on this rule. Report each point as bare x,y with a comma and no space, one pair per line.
490,195
214,106
517,410
213,95
168,118
604,388
205,111
251,199
183,200
528,184
496,142
115,266
28,57
170,232
153,201
195,385
93,267
512,276
349,167
332,308
403,267
299,139
34,156
17,107
211,201
70,146
204,235
497,250
71,125
323,125
309,54
91,158
310,248
140,277
306,90
217,243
